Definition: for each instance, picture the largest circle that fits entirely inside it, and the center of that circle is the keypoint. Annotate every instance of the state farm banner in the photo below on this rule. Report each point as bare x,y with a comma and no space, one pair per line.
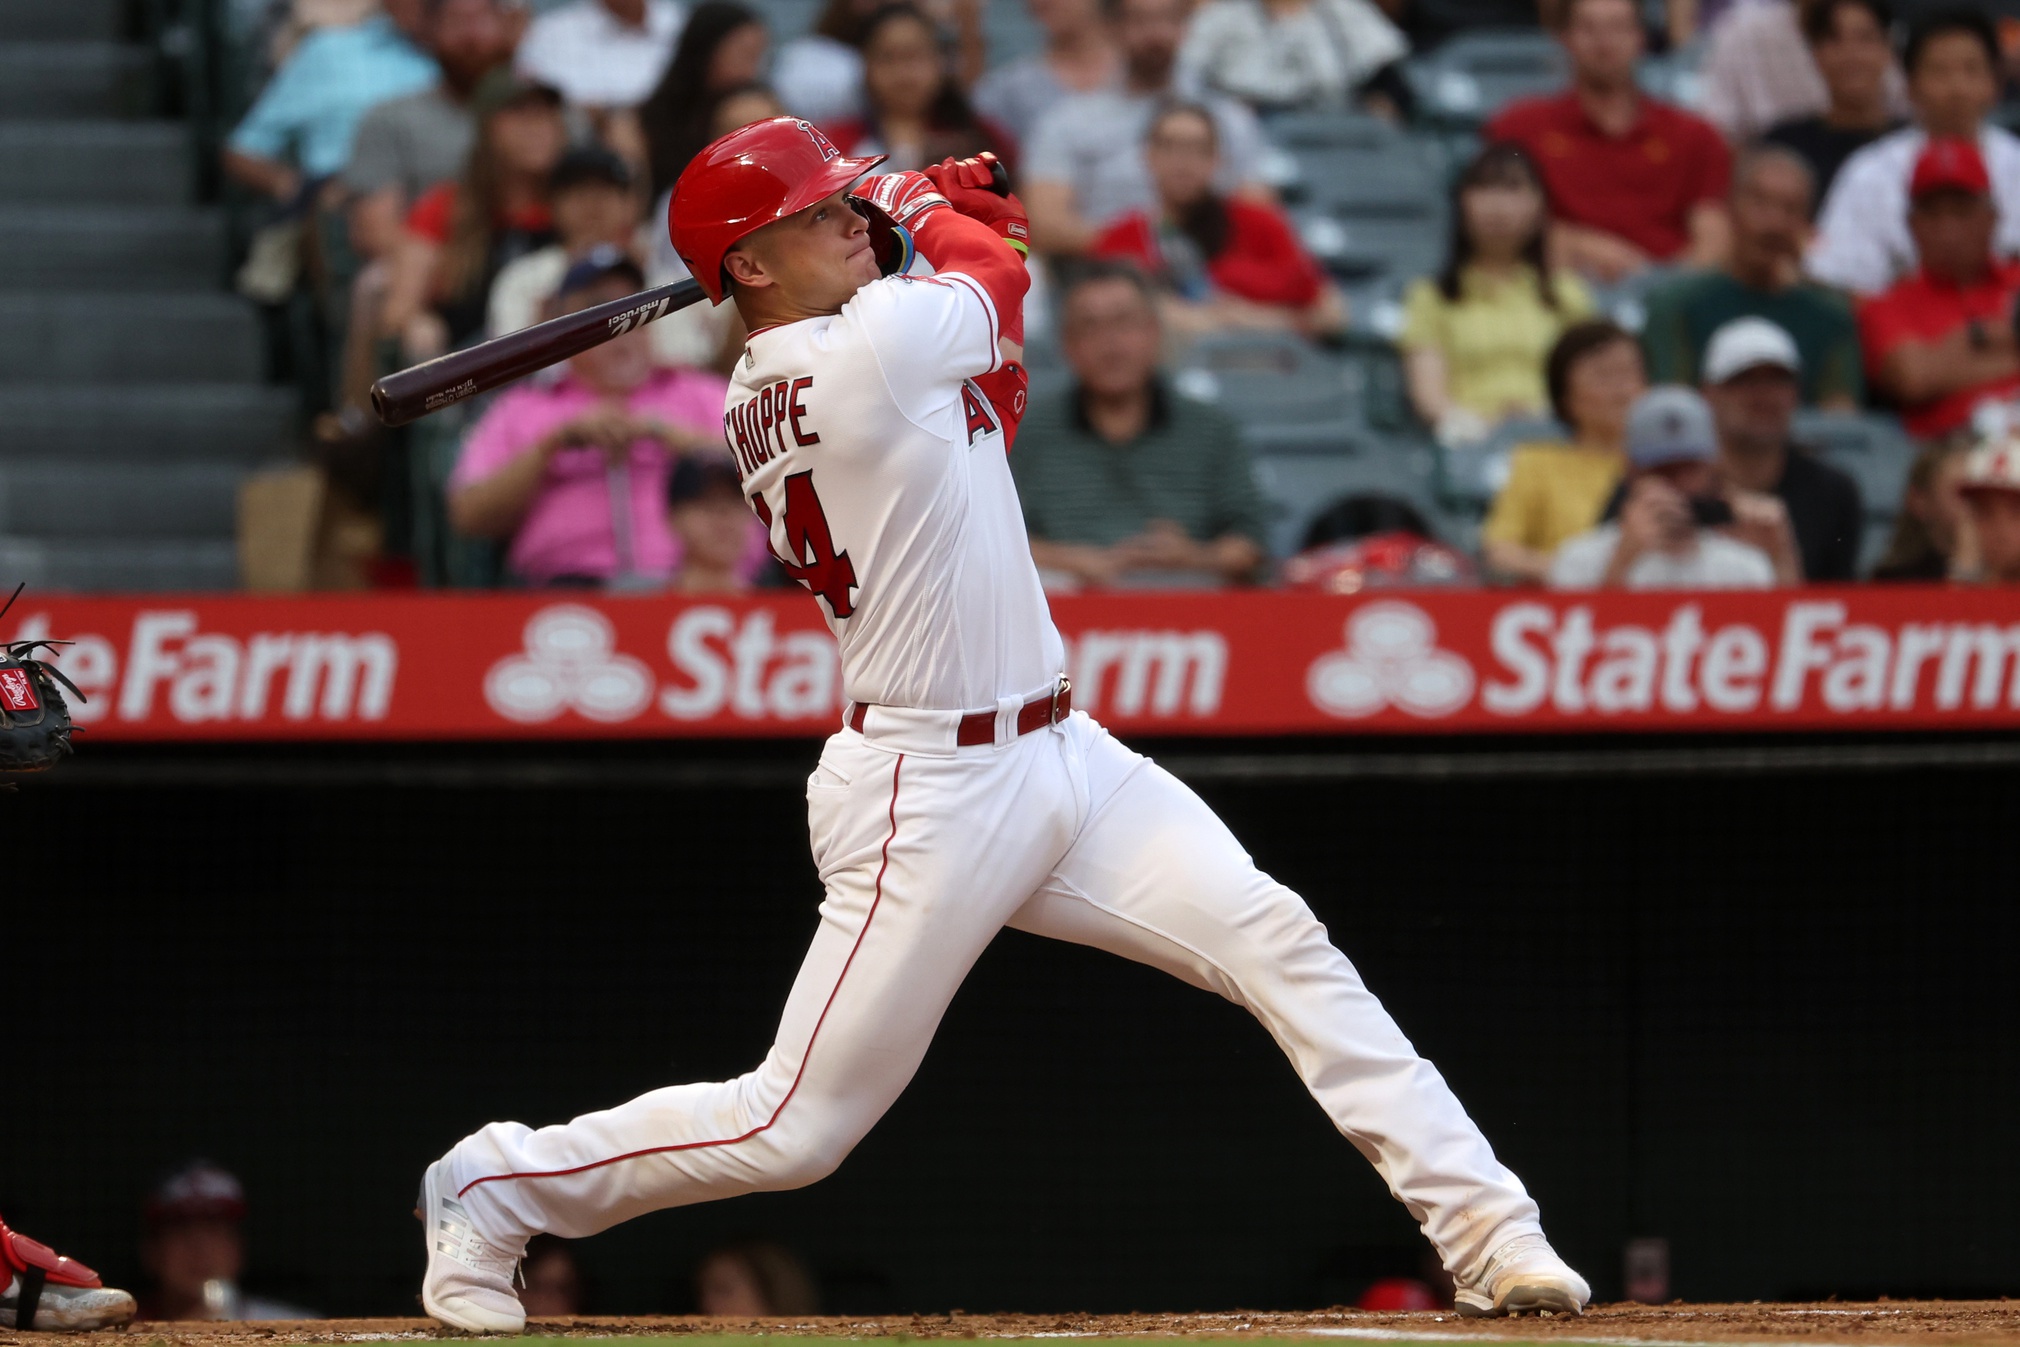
511,666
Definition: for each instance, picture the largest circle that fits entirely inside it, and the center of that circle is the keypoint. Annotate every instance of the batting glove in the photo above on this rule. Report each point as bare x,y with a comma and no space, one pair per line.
974,188
905,197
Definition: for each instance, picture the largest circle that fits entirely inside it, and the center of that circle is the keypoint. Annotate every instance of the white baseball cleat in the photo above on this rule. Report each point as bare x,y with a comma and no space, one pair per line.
469,1279
46,1290
1525,1276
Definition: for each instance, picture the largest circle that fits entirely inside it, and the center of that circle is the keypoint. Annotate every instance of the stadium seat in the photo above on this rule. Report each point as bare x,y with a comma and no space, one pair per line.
1378,386
1353,181
1876,453
121,565
1626,301
1388,241
1303,470
1470,476
1011,33
1368,200
133,387
1271,378
1375,306
1468,79
1673,76
788,19
117,501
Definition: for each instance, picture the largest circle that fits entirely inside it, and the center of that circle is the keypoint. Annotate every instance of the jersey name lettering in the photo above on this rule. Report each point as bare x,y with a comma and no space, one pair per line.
756,428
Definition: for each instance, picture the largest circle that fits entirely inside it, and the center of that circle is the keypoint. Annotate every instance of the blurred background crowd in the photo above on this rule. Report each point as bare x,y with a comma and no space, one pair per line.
197,1258
1329,293
194,1258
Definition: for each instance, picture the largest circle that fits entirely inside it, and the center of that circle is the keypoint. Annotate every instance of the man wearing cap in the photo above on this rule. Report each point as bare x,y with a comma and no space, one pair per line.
1941,340
574,472
1863,243
1752,373
1673,527
1991,490
193,1248
592,199
1769,207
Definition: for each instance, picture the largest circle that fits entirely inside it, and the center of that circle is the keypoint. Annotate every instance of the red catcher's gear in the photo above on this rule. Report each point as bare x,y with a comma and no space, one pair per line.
20,1254
745,181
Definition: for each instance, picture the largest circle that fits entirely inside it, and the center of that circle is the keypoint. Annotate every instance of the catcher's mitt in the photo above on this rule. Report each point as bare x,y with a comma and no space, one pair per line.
34,722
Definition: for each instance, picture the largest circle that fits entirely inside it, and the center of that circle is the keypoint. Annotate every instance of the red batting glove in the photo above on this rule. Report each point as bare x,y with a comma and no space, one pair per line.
1008,390
969,186
905,197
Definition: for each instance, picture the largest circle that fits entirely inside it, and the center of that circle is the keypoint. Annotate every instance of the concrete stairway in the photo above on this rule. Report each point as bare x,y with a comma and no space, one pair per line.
131,400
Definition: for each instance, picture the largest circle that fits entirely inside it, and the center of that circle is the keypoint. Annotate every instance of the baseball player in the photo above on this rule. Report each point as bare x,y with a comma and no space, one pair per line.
869,417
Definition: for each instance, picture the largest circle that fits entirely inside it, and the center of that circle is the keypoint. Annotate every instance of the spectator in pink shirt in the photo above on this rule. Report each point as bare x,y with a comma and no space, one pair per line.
575,472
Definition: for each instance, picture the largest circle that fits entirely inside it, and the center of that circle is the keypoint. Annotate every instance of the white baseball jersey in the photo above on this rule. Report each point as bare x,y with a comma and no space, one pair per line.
879,468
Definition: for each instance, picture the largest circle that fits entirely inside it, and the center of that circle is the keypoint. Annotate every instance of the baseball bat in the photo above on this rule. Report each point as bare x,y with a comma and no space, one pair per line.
447,380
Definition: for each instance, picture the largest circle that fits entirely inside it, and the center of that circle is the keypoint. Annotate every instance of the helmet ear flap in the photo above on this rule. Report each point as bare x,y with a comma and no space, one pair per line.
891,241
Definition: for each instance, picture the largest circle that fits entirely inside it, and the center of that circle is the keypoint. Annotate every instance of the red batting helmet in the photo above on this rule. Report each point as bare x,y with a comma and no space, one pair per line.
744,181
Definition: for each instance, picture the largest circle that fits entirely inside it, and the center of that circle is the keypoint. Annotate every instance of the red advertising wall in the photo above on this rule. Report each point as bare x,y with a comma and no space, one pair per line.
468,666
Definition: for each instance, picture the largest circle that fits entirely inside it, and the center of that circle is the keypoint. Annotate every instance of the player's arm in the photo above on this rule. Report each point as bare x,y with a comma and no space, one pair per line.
975,235
955,244
963,224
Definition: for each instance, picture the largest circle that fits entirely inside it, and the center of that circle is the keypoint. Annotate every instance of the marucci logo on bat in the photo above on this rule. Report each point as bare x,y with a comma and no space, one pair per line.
639,316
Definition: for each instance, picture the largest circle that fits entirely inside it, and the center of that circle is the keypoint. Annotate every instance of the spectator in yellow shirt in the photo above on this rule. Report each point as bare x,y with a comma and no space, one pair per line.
1475,335
1556,490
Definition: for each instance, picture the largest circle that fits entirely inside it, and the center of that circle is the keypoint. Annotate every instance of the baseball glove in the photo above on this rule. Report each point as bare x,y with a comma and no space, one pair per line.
34,721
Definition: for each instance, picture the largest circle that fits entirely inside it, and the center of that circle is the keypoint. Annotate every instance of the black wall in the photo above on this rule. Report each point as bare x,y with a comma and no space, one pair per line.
1770,1016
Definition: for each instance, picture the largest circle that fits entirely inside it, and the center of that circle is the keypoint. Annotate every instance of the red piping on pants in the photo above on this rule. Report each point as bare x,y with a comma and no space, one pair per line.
870,916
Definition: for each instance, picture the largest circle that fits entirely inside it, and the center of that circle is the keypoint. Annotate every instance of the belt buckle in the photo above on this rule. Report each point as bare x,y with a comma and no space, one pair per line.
1059,689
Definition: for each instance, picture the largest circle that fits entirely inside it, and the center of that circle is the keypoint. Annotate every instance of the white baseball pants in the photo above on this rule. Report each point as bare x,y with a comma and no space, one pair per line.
1064,833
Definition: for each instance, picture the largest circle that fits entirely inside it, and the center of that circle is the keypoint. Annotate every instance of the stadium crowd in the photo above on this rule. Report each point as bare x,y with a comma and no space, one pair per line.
197,1259
1757,332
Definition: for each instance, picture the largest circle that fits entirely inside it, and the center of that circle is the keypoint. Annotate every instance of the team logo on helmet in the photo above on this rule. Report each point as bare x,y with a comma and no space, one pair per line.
821,142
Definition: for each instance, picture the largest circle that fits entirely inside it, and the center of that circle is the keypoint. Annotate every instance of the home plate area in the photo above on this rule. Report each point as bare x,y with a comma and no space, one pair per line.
1992,1322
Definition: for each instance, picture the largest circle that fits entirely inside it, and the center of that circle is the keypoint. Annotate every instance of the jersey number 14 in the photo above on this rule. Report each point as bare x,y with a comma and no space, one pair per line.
810,556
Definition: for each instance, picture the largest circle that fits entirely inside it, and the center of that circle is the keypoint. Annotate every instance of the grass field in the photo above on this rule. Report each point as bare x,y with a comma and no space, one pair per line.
1934,1323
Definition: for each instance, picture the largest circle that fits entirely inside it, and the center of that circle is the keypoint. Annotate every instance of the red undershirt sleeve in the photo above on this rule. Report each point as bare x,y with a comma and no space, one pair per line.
953,242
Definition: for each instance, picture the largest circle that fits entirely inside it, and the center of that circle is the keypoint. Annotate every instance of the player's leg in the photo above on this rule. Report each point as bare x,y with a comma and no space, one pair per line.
922,859
1157,877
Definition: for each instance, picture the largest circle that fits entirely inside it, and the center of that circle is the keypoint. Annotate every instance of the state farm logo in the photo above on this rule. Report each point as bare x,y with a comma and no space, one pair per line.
1392,659
570,662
